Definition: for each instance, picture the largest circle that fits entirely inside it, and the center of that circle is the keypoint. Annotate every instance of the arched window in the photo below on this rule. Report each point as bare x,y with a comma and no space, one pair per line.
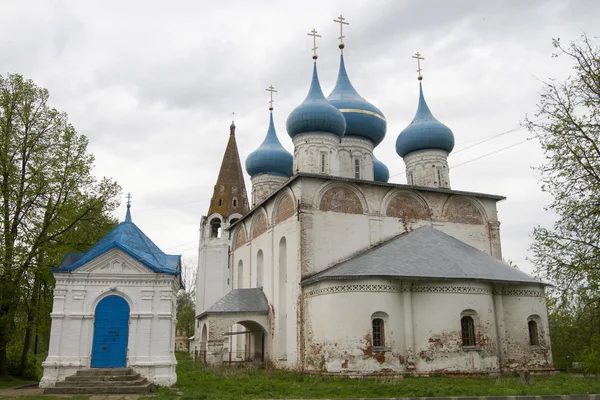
259,269
378,332
240,273
215,228
534,338
468,331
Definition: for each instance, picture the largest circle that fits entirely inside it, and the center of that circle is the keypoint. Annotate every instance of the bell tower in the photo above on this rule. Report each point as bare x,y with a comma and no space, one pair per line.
228,203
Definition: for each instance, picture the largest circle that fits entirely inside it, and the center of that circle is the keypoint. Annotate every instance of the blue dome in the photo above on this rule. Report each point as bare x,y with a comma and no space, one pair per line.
270,157
424,132
316,114
381,173
363,119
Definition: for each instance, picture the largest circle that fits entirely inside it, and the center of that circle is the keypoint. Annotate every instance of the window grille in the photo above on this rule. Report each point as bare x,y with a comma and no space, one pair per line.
439,173
533,333
468,331
356,168
323,162
378,336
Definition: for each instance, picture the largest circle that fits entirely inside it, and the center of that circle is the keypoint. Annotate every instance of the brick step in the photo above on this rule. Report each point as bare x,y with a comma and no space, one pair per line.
105,372
104,378
136,382
98,390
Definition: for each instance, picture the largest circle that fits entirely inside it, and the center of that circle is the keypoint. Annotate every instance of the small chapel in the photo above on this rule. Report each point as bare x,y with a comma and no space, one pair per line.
114,308
329,268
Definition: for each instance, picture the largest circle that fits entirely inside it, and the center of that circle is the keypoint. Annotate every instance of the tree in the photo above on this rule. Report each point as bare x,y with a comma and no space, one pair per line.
185,313
568,128
49,202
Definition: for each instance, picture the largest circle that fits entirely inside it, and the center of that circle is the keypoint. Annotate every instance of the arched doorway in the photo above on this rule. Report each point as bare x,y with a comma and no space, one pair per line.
111,332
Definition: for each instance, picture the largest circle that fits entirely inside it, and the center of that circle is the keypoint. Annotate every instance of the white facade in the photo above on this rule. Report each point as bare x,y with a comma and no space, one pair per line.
265,184
317,153
428,168
151,298
356,158
312,224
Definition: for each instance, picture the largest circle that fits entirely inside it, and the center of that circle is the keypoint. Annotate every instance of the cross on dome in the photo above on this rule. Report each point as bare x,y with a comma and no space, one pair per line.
313,33
271,90
342,21
419,58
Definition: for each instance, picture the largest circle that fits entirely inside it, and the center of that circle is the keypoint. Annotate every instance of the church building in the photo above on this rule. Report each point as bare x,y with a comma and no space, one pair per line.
332,269
114,307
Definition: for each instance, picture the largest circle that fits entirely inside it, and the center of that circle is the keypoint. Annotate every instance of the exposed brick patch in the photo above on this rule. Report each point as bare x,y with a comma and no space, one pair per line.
285,210
464,211
259,225
341,199
407,208
240,237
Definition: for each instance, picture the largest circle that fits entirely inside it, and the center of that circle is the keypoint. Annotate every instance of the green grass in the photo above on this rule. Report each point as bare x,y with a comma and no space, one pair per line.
202,382
7,382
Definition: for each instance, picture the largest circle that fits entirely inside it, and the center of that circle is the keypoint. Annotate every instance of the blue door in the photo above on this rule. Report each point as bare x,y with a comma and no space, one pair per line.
111,331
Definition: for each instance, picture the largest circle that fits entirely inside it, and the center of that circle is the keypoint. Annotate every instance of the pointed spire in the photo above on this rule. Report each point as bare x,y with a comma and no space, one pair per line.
128,214
423,111
229,196
315,92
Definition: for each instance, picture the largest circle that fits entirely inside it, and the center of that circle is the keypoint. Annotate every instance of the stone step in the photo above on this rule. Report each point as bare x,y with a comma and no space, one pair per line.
105,372
98,390
86,383
98,378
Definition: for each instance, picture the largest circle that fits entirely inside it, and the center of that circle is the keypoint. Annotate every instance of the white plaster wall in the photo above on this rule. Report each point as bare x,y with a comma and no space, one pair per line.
519,303
422,168
152,302
350,149
307,153
265,184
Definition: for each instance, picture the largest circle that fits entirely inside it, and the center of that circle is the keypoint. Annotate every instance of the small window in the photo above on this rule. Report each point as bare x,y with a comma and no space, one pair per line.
439,174
235,202
533,333
378,333
468,331
220,202
357,168
215,228
323,160
411,180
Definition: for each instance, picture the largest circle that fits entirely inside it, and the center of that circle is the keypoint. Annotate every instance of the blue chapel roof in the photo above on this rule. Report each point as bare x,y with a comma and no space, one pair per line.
270,157
130,239
424,132
363,119
316,114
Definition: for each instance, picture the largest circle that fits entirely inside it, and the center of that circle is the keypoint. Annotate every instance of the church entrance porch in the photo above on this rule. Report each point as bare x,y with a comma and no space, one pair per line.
245,344
111,333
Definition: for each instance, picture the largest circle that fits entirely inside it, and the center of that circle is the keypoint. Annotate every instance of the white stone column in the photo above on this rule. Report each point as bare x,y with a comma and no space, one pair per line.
500,328
408,329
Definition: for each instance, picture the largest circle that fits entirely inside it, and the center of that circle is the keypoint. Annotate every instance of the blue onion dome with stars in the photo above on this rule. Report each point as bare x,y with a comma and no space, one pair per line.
270,157
315,114
424,132
381,173
363,119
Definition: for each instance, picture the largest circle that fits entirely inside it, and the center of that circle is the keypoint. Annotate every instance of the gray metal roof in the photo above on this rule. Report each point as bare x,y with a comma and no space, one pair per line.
242,301
425,253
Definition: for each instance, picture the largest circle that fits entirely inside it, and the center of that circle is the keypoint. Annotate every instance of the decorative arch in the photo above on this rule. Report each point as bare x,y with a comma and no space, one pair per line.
112,292
343,198
285,206
240,237
260,223
464,210
406,205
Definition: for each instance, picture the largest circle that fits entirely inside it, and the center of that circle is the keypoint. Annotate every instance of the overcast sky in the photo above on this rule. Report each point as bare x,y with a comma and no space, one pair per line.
152,84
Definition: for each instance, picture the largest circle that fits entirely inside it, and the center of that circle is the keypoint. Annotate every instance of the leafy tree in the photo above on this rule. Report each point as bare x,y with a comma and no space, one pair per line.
568,254
185,313
49,203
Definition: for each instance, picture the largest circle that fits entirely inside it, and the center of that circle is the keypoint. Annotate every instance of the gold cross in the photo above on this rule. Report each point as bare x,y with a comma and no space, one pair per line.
313,33
342,22
419,58
272,90
128,200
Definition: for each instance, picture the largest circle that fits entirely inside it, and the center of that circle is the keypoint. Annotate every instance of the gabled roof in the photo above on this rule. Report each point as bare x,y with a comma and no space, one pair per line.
130,239
425,253
243,301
